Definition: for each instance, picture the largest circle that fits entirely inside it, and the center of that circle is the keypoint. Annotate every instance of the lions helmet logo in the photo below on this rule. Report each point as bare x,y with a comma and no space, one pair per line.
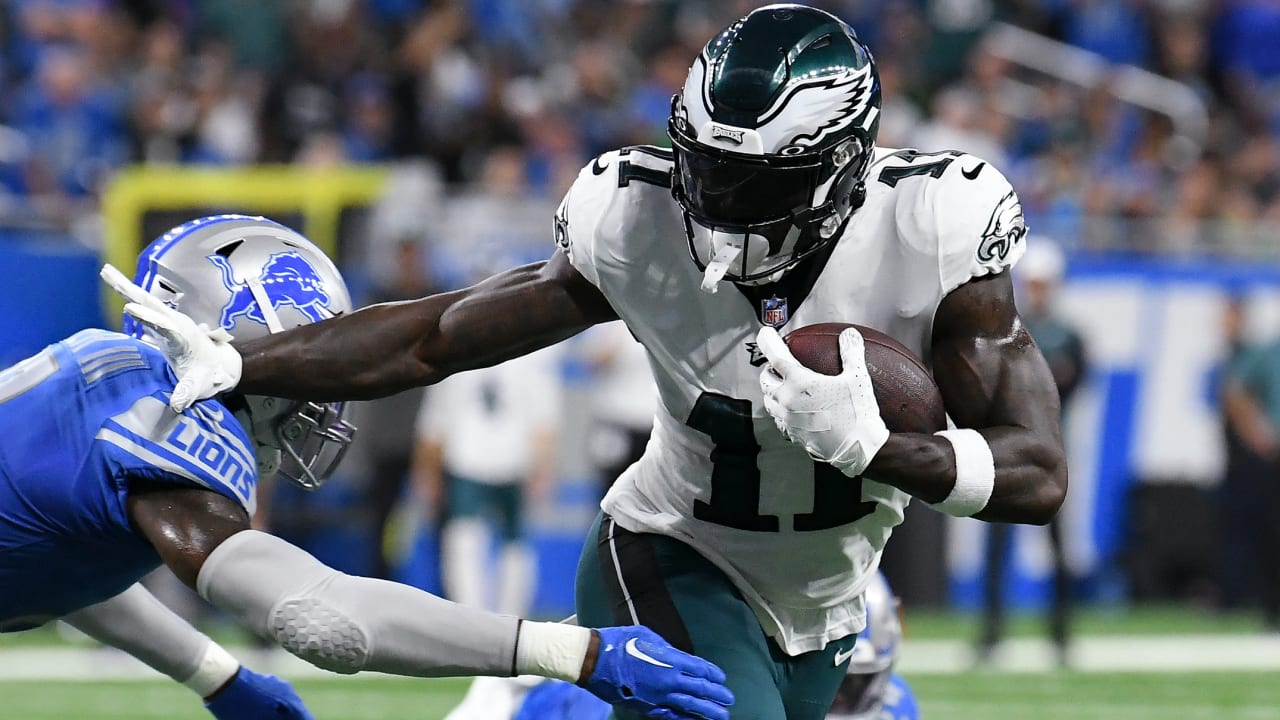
288,280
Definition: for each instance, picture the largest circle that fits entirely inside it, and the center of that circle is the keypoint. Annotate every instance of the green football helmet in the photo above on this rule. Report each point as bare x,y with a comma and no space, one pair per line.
772,134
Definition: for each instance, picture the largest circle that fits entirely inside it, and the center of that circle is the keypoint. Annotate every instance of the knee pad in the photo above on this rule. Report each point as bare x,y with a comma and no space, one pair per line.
321,634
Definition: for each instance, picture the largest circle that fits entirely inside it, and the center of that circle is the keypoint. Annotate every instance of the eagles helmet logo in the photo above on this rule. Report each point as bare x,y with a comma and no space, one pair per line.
810,105
1005,230
733,136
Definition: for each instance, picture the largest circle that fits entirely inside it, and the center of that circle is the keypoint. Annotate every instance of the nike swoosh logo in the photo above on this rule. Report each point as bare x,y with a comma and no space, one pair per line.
639,654
843,657
970,174
596,167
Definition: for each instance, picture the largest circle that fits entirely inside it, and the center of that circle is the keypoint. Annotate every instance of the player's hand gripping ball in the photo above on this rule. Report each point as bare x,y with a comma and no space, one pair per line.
838,390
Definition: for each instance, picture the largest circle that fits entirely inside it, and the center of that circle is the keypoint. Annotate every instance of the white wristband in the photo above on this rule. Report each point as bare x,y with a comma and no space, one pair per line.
975,473
215,669
552,650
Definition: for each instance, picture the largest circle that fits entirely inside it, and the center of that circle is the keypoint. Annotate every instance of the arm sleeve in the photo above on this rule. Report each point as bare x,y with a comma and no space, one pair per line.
347,624
136,622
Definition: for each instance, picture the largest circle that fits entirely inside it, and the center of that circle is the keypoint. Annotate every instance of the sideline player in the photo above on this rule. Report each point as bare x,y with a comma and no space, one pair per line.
755,520
101,481
870,690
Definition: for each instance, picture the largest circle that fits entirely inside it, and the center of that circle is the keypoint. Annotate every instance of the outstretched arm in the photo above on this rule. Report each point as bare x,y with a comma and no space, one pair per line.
386,348
348,624
993,379
381,349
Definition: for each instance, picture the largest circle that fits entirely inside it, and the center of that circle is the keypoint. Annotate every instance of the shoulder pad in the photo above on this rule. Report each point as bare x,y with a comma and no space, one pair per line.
203,446
599,190
960,207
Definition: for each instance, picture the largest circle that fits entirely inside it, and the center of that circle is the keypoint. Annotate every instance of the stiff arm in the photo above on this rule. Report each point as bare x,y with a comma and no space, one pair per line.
348,624
994,379
206,540
386,348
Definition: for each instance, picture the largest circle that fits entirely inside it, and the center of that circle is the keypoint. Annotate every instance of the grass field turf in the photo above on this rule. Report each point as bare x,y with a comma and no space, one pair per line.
970,696
962,696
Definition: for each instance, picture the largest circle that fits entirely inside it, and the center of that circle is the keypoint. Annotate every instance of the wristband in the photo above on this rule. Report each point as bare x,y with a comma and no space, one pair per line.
217,666
552,650
975,473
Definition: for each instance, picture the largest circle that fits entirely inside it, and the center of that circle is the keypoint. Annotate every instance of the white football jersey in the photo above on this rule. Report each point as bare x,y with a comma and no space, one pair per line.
799,539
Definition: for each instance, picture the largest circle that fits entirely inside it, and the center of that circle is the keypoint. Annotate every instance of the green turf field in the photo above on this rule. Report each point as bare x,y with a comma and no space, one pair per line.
973,696
1184,635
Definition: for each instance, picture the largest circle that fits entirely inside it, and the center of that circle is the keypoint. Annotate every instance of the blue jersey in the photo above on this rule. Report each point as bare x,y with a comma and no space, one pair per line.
78,422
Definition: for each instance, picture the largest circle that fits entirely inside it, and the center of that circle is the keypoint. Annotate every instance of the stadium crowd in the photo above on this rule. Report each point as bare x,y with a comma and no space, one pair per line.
87,86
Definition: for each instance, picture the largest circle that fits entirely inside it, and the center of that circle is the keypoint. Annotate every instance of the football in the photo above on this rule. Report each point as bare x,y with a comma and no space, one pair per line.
909,399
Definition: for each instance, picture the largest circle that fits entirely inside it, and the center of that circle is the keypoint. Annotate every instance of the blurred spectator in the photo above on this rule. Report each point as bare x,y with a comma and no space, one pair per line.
1040,274
1115,29
387,425
451,81
74,126
1250,492
490,226
957,124
486,449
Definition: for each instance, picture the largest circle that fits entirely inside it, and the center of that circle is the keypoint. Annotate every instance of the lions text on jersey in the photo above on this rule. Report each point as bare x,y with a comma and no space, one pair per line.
79,421
797,538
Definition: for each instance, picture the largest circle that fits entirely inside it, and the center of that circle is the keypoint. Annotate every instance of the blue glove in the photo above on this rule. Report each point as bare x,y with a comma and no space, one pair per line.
639,671
250,696
557,700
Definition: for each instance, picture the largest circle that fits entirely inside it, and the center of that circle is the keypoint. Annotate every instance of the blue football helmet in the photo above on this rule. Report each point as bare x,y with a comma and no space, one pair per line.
253,277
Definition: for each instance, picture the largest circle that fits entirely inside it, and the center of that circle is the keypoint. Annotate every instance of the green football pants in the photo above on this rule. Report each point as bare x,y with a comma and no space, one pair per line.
626,578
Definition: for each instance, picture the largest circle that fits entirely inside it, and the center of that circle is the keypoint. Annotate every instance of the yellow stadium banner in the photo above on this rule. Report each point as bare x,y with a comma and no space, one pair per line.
142,201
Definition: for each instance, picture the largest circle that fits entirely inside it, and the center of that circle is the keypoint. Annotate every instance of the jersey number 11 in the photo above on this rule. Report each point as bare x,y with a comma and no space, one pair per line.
735,478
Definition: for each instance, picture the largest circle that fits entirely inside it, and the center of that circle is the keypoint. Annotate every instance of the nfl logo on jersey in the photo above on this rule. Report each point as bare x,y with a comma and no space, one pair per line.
774,311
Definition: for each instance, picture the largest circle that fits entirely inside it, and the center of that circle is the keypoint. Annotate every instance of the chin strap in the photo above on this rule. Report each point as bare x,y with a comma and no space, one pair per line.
718,266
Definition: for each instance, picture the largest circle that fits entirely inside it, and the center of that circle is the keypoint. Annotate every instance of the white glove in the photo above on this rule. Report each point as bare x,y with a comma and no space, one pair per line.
204,360
835,417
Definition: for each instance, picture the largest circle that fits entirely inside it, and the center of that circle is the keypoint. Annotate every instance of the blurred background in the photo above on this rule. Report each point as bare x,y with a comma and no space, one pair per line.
426,143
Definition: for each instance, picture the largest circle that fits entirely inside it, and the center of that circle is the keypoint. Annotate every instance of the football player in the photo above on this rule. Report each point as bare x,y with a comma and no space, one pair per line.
101,481
754,522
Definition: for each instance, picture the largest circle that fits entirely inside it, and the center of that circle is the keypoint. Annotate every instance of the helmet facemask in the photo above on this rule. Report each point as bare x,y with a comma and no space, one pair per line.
304,442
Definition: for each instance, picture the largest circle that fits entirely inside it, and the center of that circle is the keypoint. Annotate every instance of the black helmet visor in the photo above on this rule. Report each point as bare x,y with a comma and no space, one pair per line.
733,189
